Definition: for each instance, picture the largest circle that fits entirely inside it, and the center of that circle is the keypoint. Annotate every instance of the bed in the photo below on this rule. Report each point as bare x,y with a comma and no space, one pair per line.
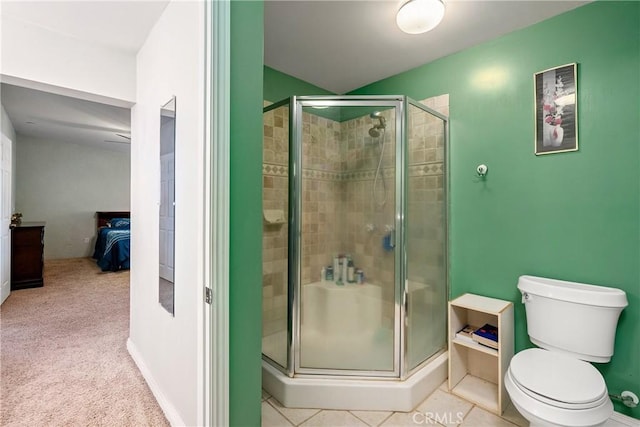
113,241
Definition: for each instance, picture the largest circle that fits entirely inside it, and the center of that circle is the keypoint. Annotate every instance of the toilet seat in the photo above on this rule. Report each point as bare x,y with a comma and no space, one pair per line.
557,379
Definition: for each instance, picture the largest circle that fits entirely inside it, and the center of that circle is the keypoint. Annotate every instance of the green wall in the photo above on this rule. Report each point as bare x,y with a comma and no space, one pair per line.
572,216
278,86
245,233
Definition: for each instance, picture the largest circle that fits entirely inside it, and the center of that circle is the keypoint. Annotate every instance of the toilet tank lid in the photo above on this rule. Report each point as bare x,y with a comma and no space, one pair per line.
580,293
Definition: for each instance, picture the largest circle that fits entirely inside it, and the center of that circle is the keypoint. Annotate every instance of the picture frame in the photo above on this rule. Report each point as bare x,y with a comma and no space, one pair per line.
556,109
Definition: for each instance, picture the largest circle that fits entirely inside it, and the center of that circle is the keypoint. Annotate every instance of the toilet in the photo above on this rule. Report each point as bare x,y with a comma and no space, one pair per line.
572,324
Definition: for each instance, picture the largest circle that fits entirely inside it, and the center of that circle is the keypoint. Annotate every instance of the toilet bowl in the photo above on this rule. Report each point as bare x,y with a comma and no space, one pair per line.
573,324
552,389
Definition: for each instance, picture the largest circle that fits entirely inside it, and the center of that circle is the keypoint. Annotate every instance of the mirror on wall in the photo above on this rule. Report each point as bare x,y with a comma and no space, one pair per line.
167,204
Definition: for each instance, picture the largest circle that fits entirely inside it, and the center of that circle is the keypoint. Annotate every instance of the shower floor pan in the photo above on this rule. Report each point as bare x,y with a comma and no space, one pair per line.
355,394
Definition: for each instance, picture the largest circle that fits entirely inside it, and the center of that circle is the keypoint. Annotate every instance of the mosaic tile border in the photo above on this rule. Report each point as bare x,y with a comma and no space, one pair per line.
427,169
275,169
422,169
322,175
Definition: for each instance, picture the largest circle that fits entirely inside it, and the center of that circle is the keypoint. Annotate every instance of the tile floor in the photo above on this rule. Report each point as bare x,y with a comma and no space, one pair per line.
439,409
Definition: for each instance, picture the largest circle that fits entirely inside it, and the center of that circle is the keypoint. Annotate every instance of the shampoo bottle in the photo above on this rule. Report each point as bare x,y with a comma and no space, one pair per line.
345,270
350,271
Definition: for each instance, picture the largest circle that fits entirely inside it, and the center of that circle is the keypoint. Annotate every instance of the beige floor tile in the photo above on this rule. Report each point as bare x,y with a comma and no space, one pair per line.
512,414
334,419
373,418
265,395
273,418
444,386
408,419
478,417
615,423
445,408
295,415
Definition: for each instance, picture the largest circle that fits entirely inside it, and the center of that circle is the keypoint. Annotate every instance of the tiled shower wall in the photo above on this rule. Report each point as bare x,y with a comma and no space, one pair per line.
340,214
275,195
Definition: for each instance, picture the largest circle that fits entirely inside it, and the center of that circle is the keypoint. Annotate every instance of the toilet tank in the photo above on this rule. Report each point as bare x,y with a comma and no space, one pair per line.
573,318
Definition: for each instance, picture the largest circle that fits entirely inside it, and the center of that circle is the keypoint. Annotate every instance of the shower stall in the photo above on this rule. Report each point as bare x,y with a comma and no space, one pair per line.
354,248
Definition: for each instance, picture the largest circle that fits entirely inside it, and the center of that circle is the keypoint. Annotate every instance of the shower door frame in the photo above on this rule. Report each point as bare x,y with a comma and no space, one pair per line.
295,235
406,371
400,350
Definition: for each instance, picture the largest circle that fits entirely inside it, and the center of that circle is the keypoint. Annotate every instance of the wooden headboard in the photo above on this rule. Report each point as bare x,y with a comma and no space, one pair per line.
105,217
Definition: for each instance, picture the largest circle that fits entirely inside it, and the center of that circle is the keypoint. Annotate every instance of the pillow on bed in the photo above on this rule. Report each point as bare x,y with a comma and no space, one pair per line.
120,223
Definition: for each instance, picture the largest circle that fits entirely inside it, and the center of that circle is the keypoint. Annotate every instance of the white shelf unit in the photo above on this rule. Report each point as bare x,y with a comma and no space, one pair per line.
476,372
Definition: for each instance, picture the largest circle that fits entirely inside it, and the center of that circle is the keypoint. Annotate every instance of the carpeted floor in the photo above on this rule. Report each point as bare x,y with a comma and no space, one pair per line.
63,356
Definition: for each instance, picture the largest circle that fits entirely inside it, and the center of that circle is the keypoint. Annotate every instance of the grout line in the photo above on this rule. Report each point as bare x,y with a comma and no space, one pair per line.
312,416
290,420
381,422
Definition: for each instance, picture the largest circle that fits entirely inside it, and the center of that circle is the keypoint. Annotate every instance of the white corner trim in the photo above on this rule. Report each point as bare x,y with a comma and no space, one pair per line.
169,410
624,420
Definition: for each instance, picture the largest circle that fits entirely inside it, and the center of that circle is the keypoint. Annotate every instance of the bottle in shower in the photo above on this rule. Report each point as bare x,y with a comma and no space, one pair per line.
350,271
345,269
336,268
329,274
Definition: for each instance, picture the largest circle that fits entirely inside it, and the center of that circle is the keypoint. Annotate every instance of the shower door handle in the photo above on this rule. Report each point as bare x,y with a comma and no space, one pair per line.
405,297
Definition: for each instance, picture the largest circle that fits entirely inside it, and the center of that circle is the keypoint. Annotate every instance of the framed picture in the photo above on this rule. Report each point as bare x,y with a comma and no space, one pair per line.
556,110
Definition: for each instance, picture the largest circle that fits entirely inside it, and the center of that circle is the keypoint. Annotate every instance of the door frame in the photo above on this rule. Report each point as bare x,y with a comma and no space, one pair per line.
216,210
6,156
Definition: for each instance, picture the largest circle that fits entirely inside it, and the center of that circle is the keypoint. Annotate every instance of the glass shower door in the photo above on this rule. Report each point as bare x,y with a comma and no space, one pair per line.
347,262
275,238
425,227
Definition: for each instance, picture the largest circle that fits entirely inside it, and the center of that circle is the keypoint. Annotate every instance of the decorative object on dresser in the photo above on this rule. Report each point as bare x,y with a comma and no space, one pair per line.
16,220
27,255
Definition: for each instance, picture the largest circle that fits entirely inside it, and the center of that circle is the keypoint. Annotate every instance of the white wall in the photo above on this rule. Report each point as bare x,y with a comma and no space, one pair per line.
7,126
35,57
168,349
65,184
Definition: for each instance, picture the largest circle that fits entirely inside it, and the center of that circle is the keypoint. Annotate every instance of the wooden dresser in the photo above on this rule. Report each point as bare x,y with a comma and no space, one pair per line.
27,255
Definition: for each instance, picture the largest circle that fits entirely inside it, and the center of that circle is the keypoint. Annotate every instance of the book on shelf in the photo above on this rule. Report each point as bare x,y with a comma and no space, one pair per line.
465,334
486,335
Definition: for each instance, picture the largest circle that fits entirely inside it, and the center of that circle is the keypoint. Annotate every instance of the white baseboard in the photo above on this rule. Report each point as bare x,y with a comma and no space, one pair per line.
624,420
169,410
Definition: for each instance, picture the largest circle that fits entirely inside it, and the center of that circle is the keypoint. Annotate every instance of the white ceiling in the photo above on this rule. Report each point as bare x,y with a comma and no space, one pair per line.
344,45
122,25
334,44
60,118
119,25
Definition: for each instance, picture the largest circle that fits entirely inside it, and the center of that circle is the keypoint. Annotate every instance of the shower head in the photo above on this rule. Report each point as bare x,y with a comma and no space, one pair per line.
374,132
378,115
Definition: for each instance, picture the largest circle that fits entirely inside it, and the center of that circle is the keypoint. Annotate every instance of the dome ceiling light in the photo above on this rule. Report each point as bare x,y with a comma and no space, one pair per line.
420,16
